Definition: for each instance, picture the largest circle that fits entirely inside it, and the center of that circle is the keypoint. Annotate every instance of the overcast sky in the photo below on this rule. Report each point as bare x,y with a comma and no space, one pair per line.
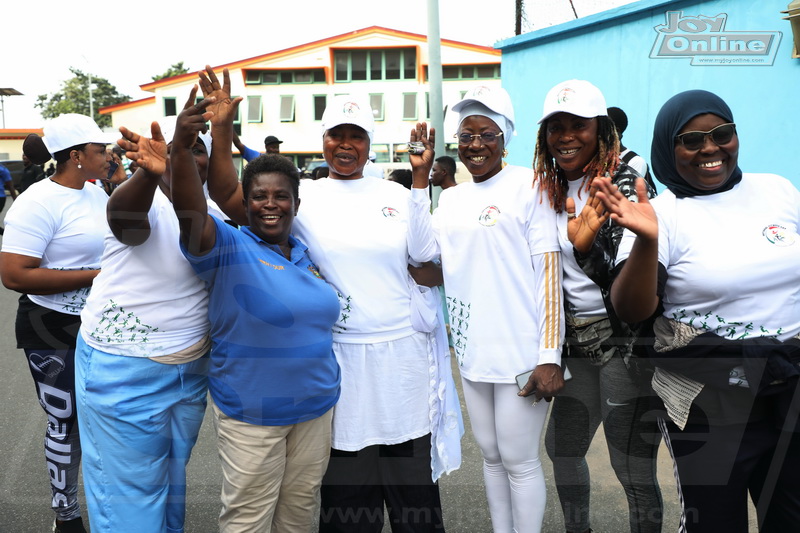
129,42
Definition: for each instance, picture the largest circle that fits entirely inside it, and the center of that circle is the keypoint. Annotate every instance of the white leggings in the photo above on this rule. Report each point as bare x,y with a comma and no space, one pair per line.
508,431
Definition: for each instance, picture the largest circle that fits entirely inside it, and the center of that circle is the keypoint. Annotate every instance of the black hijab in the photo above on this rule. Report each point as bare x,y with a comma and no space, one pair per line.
674,115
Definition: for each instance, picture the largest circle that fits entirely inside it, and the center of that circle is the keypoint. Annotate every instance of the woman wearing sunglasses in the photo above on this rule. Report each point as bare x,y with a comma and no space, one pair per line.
577,142
501,266
716,256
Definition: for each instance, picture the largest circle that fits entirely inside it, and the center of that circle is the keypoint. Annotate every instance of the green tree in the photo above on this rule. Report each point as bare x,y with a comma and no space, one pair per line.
74,97
175,70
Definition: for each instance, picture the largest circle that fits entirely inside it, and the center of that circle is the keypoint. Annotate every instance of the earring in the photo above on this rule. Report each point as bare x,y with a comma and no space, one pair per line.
505,153
79,165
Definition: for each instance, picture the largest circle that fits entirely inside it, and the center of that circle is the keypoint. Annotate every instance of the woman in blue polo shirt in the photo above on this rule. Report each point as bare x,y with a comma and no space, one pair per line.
273,377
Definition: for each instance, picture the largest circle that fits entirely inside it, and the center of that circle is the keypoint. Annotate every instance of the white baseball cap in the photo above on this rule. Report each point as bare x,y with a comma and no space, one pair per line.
72,129
576,97
348,109
495,99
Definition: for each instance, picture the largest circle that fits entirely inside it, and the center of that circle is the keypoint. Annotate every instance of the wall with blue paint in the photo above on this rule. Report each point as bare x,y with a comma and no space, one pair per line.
613,50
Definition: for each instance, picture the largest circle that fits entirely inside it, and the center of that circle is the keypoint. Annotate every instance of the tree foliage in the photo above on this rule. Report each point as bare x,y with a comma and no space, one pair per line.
74,97
175,70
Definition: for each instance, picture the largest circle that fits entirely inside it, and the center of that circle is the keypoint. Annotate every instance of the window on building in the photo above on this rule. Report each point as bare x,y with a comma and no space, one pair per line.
373,65
381,153
468,72
320,103
376,103
275,77
409,106
170,106
287,108
254,113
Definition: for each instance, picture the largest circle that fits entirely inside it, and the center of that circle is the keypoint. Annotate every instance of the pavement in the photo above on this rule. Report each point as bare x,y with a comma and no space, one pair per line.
25,495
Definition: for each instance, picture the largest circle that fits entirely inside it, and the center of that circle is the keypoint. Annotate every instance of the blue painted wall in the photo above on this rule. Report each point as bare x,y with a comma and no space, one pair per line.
612,50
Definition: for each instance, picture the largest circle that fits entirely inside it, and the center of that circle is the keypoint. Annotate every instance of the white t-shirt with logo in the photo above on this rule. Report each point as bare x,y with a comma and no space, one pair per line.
358,235
491,235
64,227
732,258
147,300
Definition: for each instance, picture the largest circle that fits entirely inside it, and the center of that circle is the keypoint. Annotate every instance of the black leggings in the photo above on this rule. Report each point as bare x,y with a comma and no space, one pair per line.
53,373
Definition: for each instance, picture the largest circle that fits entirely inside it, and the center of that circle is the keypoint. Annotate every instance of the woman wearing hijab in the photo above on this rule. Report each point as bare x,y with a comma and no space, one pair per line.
577,142
716,256
51,254
502,273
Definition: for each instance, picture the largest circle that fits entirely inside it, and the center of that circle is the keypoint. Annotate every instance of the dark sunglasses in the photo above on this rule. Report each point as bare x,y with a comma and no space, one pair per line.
486,137
694,140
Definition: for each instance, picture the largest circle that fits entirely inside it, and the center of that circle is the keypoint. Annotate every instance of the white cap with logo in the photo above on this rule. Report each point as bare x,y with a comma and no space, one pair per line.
349,109
576,97
72,129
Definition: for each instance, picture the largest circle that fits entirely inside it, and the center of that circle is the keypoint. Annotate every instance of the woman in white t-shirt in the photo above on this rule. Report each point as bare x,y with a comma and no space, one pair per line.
576,143
142,353
502,278
51,254
716,257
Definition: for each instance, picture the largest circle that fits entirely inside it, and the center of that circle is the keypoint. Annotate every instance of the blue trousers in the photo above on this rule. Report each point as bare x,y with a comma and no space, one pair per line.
139,420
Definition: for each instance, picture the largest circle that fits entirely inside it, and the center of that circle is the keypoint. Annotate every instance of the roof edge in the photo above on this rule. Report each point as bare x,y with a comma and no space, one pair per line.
583,22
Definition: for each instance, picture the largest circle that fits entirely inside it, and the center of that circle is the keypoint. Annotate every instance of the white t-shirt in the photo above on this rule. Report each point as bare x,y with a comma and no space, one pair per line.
358,234
63,227
492,237
732,258
147,300
582,294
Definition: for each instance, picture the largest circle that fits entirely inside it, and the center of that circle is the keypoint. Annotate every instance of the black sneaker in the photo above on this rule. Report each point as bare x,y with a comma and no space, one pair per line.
70,526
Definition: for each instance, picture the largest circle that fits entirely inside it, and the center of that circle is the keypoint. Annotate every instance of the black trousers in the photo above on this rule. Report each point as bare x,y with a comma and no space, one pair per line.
718,465
357,485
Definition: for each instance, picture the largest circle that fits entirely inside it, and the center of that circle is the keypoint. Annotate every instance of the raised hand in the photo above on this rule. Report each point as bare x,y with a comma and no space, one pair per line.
421,163
192,120
149,154
225,107
639,217
583,228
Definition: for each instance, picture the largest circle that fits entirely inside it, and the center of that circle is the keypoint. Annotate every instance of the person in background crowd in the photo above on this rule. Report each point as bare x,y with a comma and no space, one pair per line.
51,254
715,256
443,173
502,276
273,378
401,176
6,183
576,144
628,156
272,145
395,428
142,355
30,173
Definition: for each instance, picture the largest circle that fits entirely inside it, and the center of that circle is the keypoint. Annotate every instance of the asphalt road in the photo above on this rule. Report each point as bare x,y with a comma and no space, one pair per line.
24,490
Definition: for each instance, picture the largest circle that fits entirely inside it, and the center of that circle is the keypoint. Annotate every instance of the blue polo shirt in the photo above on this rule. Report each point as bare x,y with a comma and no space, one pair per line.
272,362
5,177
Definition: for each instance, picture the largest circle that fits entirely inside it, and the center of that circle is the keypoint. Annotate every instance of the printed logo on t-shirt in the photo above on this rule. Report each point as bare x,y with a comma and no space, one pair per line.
489,216
390,212
313,269
778,235
120,326
459,325
344,304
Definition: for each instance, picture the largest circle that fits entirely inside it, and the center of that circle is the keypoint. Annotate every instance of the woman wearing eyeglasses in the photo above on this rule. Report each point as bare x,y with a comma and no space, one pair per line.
502,275
577,142
716,256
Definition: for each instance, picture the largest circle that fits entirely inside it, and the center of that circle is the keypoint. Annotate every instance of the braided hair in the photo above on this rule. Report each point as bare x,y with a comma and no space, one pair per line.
552,181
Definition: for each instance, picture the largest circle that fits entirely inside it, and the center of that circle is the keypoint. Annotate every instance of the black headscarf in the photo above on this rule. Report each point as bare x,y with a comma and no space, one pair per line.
674,115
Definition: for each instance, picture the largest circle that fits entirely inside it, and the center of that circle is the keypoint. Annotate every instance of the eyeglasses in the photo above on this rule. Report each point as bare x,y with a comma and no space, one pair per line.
486,137
695,140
